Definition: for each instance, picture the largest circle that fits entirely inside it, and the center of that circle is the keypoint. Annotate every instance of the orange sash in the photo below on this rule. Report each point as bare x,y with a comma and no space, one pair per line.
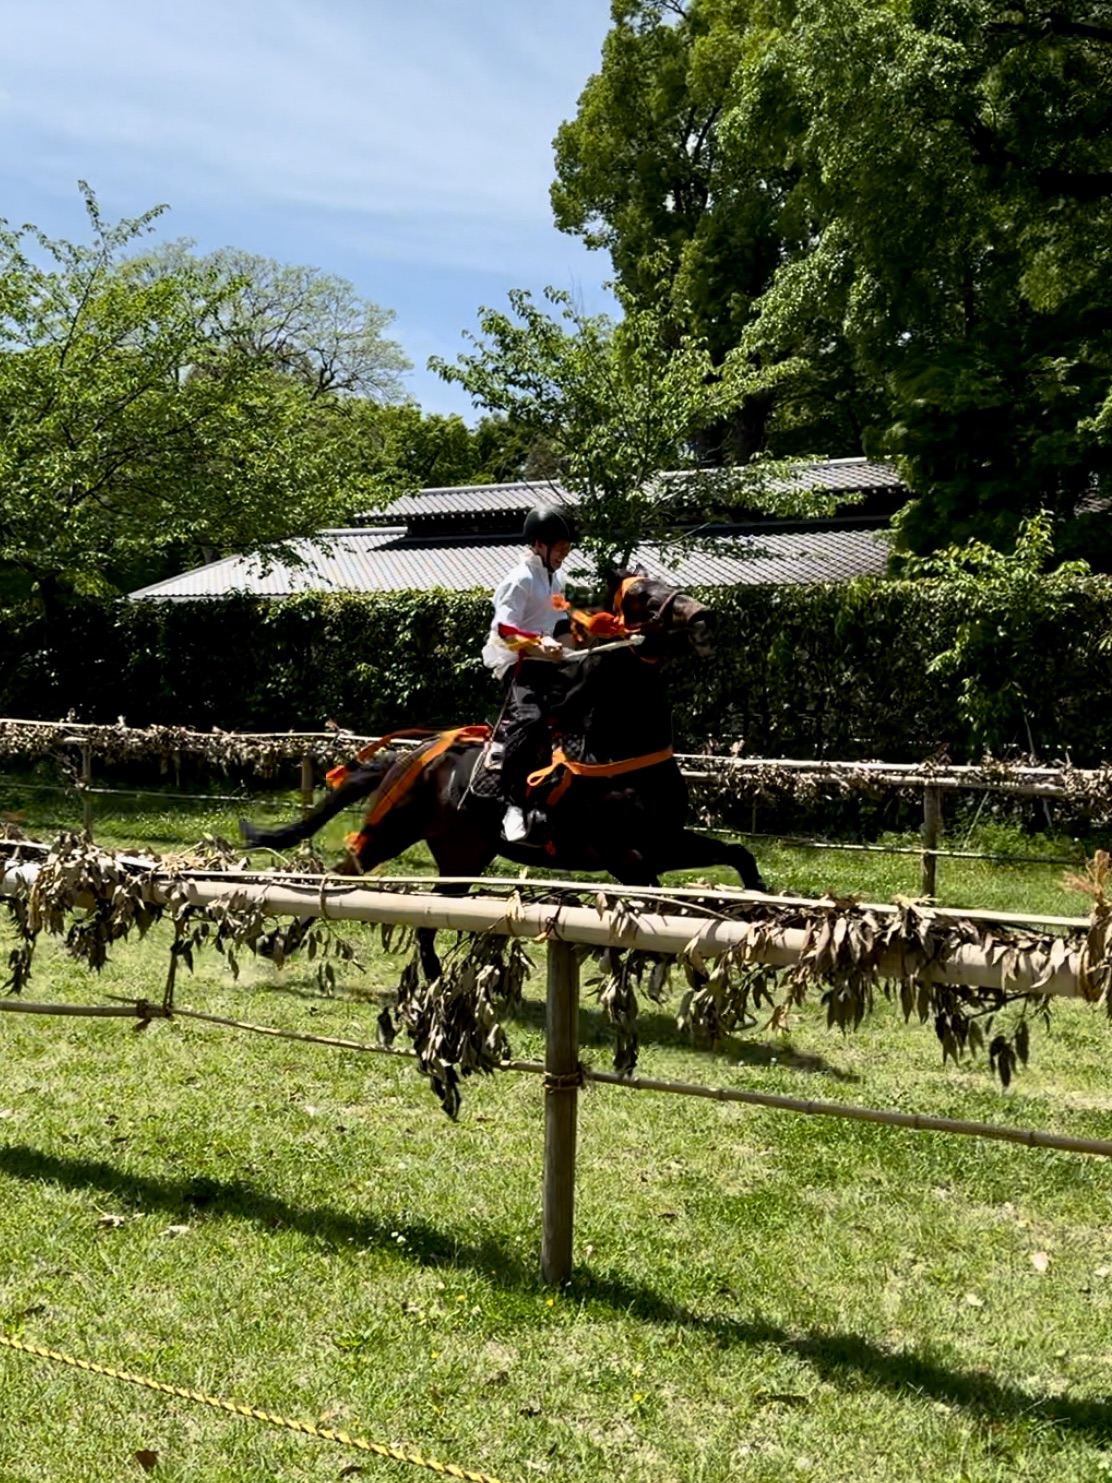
592,769
339,774
385,800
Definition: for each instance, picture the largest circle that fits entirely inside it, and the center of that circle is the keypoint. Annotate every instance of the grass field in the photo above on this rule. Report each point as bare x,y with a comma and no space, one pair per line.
757,1295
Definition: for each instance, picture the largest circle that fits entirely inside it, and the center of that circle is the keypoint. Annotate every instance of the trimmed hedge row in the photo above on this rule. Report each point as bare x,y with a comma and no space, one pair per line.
839,671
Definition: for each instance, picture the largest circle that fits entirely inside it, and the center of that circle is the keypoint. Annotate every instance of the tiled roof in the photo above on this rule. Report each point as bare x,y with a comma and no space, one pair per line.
392,560
851,475
472,499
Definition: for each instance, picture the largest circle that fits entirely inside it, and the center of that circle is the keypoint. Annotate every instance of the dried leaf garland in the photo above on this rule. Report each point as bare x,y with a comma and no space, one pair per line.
851,955
452,1020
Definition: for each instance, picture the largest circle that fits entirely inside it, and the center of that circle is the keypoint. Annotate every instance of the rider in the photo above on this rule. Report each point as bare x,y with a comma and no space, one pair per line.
524,649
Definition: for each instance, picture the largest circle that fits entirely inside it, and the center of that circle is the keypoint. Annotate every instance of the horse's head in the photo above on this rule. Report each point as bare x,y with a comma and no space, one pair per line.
667,618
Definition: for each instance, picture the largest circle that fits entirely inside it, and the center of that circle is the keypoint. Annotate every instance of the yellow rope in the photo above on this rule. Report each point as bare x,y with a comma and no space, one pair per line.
306,1428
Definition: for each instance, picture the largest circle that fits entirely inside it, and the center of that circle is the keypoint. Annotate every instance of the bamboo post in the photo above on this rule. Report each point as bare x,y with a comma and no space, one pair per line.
86,783
306,785
561,1064
932,832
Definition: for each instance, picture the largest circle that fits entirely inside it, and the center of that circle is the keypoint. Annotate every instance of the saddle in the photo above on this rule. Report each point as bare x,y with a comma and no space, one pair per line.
486,778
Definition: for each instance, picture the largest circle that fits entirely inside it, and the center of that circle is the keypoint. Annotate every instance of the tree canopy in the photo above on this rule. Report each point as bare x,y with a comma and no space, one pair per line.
613,409
310,325
890,220
144,410
615,401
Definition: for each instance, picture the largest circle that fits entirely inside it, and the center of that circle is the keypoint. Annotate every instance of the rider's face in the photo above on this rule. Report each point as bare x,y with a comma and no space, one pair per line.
555,555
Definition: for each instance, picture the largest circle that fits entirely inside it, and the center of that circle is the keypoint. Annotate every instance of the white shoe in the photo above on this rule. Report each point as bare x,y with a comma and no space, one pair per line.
513,825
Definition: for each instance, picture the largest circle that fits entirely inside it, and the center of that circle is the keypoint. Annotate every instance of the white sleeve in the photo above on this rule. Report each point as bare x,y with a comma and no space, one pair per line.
511,602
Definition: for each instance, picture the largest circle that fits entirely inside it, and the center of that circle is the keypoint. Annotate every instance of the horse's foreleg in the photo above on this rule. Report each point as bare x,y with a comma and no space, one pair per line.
691,851
455,854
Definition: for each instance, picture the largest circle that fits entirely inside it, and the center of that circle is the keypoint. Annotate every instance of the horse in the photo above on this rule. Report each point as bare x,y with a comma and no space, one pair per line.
612,799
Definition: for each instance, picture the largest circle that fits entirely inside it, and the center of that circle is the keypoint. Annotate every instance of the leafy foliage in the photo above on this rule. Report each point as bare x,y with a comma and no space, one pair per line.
92,900
1004,603
826,671
147,412
889,222
302,323
616,403
408,449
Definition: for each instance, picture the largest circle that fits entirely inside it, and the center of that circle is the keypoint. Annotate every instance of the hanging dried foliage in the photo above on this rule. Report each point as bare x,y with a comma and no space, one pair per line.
850,954
847,954
222,751
90,899
452,1020
718,781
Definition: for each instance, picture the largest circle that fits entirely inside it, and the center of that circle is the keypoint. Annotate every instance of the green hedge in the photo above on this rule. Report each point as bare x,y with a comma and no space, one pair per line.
838,671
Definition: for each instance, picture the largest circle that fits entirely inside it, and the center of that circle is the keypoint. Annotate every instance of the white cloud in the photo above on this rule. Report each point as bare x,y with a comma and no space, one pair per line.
405,146
368,107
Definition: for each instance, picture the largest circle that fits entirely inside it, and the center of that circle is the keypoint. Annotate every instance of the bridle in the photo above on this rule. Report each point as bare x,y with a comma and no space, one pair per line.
613,625
657,623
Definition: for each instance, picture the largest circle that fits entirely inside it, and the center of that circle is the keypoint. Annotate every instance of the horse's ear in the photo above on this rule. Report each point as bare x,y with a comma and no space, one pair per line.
617,575
614,579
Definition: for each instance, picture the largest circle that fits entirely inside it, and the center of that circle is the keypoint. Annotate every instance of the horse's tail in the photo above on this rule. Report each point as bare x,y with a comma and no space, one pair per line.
358,781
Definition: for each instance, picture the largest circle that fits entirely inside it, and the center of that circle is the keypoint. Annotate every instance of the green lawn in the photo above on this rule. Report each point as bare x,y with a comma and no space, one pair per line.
758,1295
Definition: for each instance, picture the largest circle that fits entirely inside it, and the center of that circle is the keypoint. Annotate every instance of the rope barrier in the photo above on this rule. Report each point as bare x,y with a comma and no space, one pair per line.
254,1413
584,1076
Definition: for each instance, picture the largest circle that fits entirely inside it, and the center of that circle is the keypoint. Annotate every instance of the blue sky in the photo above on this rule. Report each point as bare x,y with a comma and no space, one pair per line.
405,147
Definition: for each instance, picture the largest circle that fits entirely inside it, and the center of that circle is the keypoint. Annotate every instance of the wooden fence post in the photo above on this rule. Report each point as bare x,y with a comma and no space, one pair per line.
306,785
561,1063
86,784
932,832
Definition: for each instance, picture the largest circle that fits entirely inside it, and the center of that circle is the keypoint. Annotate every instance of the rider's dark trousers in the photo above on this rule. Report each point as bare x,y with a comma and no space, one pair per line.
534,689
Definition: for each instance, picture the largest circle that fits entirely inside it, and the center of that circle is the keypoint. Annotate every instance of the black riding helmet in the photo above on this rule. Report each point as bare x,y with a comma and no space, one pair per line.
548,526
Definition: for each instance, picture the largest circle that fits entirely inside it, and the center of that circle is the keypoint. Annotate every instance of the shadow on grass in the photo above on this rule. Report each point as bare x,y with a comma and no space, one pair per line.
660,1029
841,1358
654,1028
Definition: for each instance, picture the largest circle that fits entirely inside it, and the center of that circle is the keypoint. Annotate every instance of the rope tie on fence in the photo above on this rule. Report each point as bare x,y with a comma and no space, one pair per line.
254,1413
567,1081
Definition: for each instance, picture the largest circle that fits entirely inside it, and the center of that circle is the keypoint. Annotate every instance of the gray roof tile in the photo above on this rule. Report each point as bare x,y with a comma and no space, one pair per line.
852,475
392,560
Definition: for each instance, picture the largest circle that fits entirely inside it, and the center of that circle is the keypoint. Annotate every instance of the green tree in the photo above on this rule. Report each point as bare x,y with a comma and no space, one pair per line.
421,450
684,158
616,403
955,158
125,435
1005,601
299,321
613,411
930,183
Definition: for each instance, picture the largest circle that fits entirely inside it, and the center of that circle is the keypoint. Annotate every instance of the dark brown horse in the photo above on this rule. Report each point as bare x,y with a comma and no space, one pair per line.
628,823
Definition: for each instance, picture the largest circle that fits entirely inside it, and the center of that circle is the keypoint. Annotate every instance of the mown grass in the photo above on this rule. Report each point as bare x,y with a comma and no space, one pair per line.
757,1295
